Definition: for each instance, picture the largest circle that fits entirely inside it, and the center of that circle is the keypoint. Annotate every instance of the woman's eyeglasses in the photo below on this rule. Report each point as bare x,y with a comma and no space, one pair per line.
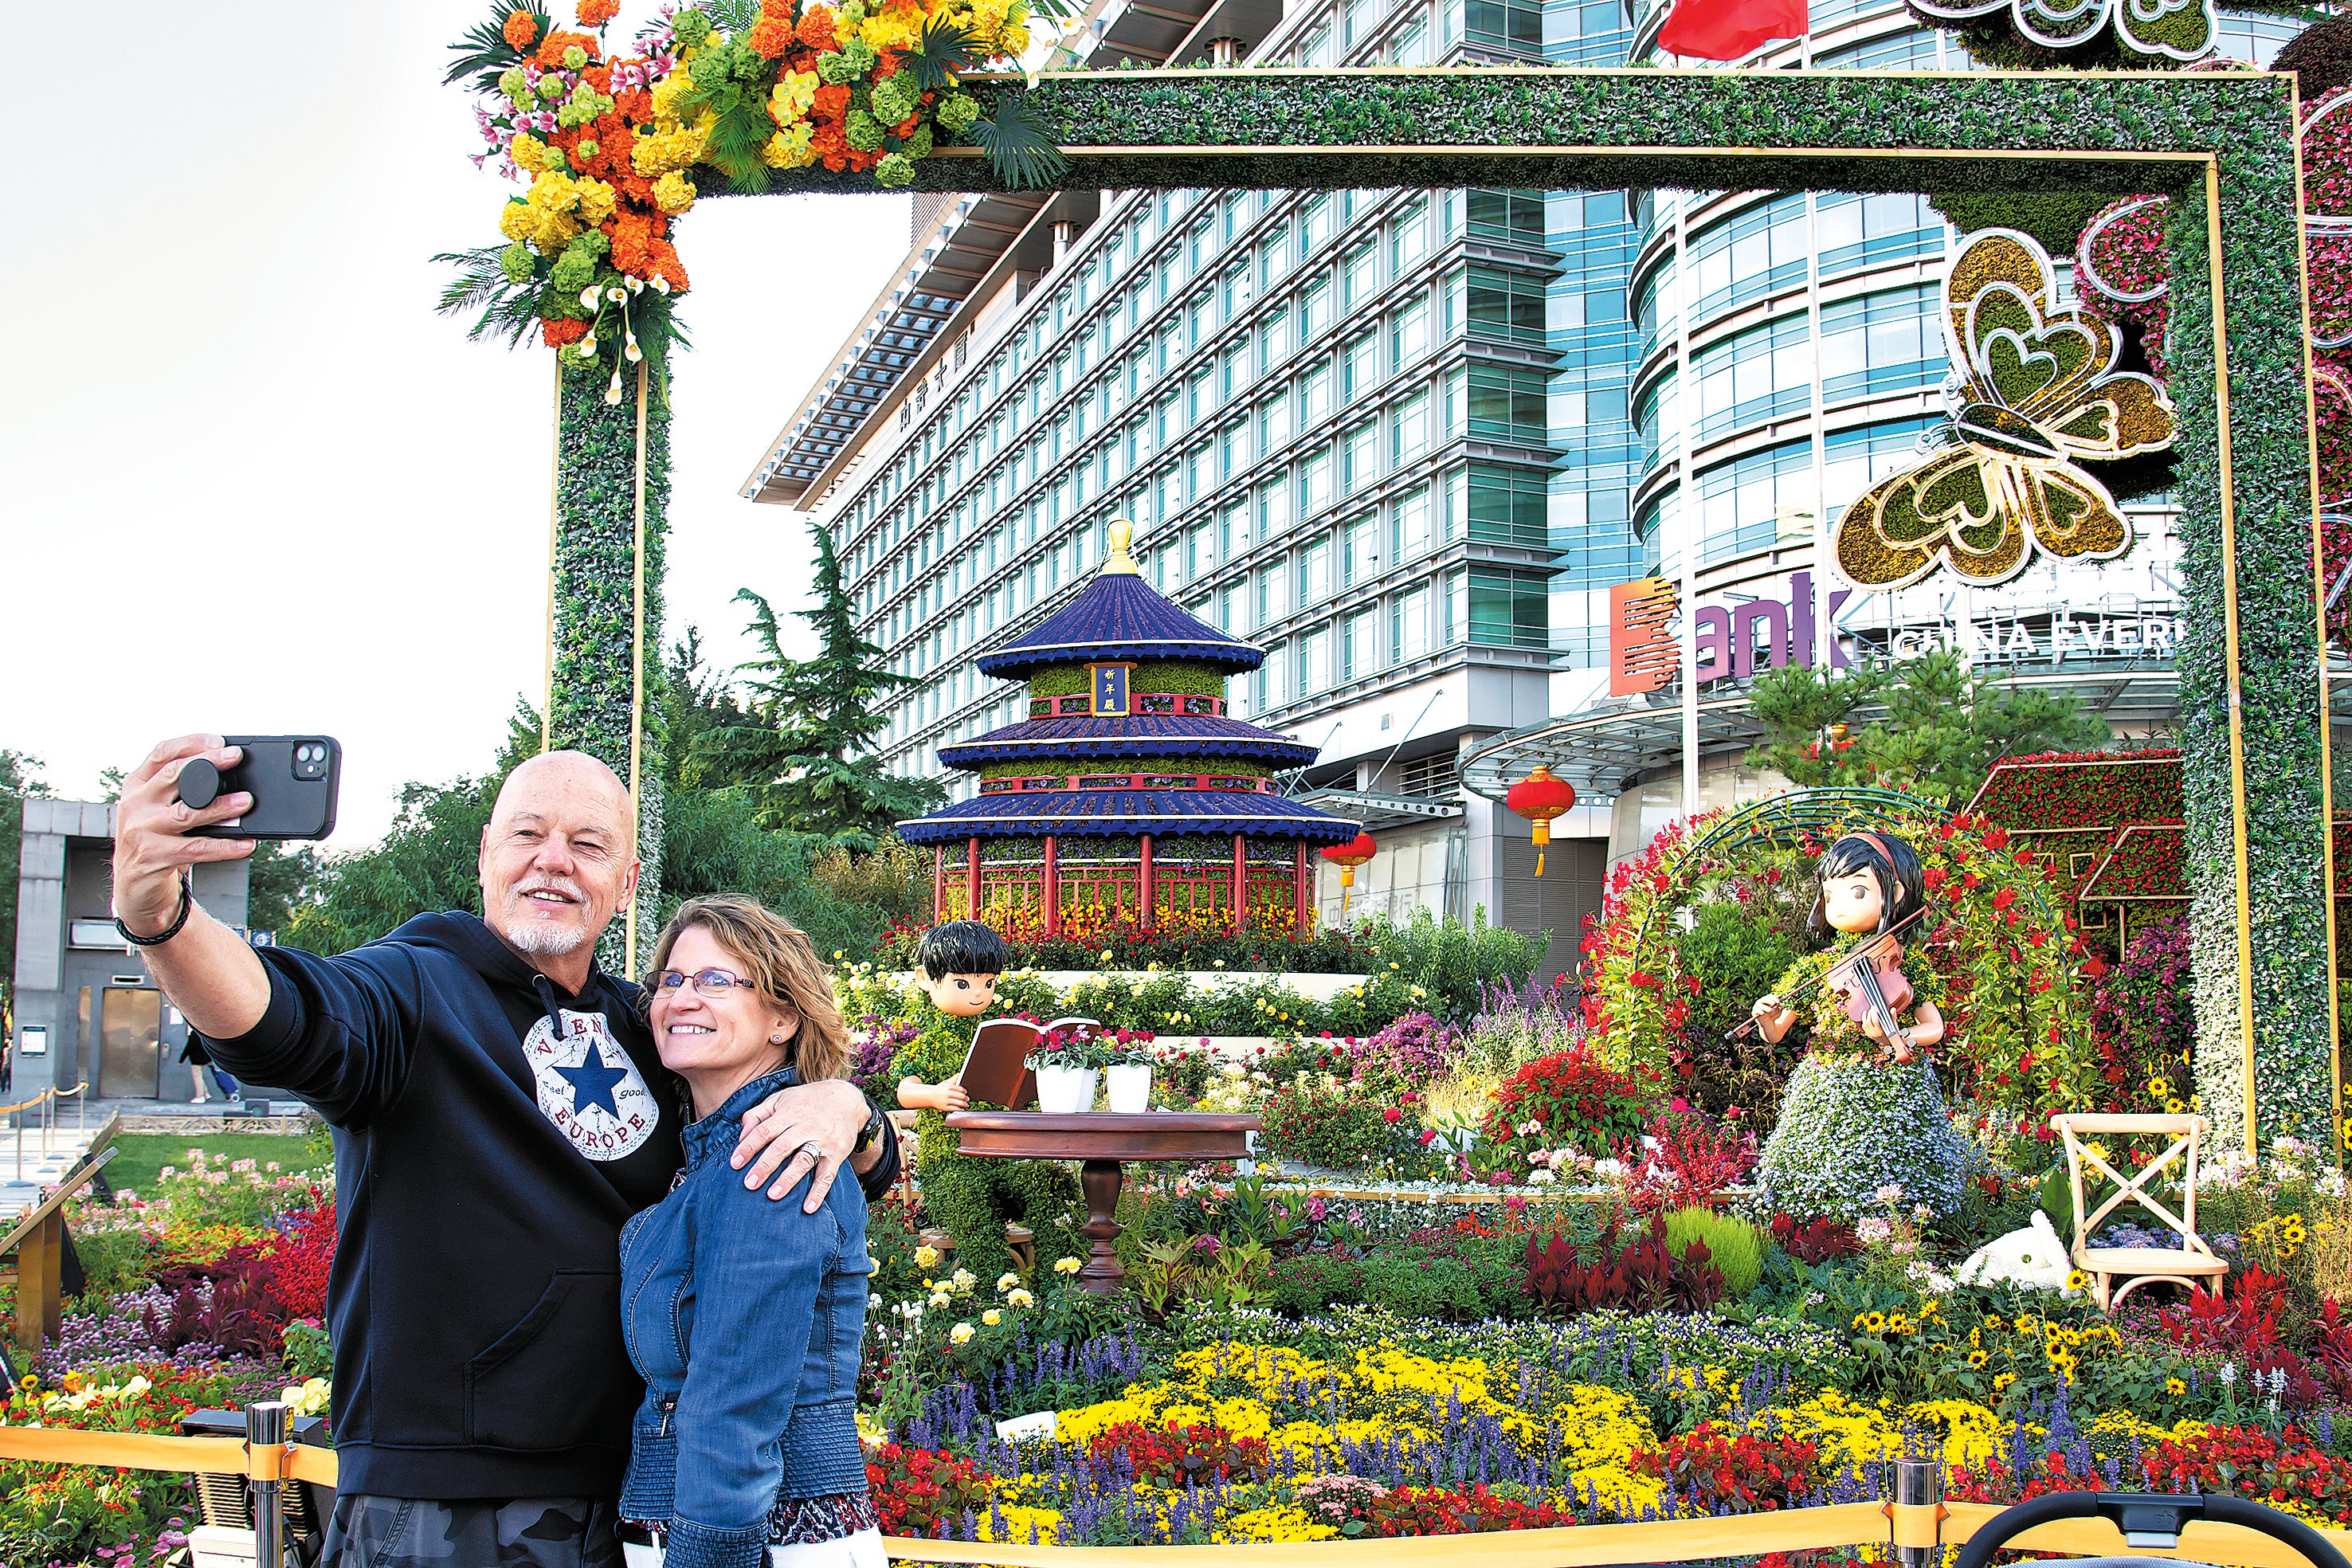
709,983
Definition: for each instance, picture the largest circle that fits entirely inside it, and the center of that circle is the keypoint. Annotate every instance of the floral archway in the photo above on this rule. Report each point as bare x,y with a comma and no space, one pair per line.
2010,972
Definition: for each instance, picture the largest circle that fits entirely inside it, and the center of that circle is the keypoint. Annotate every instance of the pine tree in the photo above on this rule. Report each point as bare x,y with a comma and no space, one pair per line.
1931,726
809,757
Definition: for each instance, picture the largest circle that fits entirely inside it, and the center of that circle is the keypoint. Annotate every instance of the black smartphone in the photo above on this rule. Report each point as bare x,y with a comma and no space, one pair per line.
293,779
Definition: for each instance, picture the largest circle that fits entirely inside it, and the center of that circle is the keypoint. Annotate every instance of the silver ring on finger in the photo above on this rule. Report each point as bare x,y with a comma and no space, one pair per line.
813,1149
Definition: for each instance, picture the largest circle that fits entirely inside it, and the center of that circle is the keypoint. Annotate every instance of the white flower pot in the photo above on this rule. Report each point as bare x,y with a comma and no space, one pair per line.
1129,1088
1065,1089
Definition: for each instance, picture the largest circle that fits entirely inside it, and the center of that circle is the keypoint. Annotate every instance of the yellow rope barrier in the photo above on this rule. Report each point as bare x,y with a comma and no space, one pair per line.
1574,1546
27,1104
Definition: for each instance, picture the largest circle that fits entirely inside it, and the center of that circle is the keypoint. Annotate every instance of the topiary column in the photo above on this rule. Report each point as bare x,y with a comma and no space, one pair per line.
608,606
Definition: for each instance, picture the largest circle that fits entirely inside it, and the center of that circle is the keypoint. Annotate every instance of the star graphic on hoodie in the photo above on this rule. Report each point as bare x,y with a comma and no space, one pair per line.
593,1081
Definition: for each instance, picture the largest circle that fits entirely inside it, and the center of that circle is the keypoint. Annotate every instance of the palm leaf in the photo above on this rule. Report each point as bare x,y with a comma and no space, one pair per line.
732,16
945,49
741,130
1019,149
507,307
484,52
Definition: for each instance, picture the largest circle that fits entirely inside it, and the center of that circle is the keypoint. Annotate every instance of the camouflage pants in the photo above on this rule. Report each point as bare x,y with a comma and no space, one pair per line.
489,1533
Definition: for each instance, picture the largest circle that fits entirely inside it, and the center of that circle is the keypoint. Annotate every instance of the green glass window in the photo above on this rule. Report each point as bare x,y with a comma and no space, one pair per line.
1506,307
1506,404
1508,608
1516,216
1507,506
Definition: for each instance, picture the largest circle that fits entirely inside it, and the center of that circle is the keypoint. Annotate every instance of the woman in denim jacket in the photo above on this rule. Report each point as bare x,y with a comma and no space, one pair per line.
744,1317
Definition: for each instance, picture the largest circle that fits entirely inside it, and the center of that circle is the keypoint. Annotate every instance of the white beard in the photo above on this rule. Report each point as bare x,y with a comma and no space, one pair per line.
544,940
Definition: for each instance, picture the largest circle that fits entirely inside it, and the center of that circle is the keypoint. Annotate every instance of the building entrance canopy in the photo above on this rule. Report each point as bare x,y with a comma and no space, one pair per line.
1604,748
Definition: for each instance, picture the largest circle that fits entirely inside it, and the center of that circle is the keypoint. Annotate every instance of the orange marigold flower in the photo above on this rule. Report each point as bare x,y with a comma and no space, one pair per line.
596,13
561,332
832,102
552,48
521,29
781,8
770,38
816,29
598,77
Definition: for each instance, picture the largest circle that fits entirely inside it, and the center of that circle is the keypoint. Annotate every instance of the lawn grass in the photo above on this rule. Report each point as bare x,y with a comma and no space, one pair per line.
145,1153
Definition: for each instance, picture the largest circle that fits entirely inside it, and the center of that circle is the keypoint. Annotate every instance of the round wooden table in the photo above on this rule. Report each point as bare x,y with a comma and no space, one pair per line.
1103,1141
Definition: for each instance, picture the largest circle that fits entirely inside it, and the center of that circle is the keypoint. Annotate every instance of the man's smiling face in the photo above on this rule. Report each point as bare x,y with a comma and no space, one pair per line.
558,857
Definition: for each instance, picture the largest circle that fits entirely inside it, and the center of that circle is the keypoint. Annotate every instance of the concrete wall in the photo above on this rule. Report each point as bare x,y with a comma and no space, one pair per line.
65,877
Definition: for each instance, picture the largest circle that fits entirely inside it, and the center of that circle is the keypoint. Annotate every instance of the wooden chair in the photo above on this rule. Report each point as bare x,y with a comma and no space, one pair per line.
2191,1264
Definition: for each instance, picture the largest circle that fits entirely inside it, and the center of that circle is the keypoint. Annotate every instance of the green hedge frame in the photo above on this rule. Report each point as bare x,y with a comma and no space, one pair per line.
2221,144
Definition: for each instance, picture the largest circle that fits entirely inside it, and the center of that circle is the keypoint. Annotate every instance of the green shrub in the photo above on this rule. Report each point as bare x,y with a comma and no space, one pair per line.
1319,1124
1737,951
116,1261
1310,1283
1444,1276
1736,1246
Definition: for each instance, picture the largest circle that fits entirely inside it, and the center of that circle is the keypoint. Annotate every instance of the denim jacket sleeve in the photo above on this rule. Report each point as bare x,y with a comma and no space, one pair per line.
757,1268
340,1033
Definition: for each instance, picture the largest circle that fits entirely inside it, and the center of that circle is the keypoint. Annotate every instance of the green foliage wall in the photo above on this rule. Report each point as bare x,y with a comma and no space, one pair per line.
594,609
1718,130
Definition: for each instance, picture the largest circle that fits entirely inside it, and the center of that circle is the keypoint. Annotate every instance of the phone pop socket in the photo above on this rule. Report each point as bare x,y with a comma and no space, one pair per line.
200,783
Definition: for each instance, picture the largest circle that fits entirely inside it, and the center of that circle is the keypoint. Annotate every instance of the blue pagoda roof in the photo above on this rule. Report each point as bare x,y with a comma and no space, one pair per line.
1127,811
1080,736
1120,616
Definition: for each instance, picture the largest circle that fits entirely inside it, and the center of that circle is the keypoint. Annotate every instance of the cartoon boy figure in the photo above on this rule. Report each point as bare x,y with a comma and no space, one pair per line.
957,965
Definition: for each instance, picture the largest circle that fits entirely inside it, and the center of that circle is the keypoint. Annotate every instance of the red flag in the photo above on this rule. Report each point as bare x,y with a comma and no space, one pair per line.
1728,29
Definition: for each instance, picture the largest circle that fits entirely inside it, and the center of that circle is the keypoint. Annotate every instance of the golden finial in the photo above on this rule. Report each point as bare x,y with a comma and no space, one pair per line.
1119,563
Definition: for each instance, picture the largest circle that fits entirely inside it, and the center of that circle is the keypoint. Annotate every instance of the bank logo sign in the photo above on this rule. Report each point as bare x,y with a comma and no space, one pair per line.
1738,640
1643,655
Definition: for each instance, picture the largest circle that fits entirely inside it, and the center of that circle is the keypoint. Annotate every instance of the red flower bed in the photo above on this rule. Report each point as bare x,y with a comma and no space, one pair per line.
1576,1097
1736,1471
1430,1510
1181,1456
2274,1468
920,1491
297,1269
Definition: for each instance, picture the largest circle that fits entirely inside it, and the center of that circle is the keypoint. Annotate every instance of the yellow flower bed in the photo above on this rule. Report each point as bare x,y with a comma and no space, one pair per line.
1306,1409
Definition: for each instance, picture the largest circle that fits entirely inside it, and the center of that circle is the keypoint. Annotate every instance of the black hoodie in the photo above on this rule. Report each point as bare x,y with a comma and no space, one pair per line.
492,1135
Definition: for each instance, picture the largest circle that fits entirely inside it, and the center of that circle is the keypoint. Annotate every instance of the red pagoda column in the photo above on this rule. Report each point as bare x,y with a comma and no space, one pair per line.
938,880
972,905
1144,919
1298,892
1053,891
1241,890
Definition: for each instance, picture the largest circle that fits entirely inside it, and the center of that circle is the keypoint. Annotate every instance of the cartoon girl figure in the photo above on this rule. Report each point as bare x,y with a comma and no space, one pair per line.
1870,886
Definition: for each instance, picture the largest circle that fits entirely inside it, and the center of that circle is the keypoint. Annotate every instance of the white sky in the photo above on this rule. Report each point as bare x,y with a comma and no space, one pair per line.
250,482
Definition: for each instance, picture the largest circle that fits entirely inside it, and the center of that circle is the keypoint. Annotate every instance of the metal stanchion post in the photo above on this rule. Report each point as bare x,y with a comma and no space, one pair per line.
265,1427
1918,1483
48,1117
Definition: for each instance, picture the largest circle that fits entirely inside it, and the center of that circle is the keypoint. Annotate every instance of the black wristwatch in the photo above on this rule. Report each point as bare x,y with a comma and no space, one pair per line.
868,1133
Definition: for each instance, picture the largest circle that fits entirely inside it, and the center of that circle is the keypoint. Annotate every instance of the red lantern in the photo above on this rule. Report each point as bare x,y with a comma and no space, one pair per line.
1347,857
1540,796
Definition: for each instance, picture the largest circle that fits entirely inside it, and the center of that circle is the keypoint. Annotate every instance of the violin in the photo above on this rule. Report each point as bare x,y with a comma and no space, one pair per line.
1873,987
1868,979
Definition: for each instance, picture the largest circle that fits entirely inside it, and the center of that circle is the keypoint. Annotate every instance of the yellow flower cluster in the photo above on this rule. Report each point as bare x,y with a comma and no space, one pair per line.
1848,1432
558,208
1305,1408
2285,1233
